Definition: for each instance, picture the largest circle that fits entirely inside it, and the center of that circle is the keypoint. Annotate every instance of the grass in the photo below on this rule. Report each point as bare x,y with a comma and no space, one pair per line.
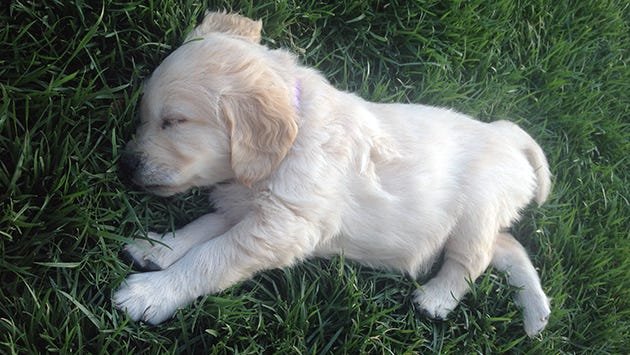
70,78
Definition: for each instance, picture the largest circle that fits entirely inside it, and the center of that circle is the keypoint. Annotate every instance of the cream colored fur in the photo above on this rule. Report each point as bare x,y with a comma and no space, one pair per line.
314,171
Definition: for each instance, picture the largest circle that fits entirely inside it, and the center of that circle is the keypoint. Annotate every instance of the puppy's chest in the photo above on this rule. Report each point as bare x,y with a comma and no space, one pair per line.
233,200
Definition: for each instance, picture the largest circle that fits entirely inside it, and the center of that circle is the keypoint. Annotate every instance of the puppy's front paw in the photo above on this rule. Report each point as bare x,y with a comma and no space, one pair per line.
149,297
435,302
536,313
149,254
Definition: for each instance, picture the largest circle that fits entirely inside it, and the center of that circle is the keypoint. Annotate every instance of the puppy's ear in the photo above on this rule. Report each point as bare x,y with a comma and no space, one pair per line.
261,121
228,23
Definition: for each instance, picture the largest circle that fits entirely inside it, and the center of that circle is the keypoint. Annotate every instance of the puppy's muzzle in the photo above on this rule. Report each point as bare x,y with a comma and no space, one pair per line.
128,166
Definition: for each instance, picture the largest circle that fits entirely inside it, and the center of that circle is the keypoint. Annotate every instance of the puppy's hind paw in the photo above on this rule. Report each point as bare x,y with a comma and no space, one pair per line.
436,305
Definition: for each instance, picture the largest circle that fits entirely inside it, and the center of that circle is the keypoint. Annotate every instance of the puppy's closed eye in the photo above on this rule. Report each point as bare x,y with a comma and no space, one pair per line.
170,121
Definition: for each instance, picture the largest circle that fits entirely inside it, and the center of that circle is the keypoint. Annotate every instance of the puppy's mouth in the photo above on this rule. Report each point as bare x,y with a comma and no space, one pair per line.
156,186
162,190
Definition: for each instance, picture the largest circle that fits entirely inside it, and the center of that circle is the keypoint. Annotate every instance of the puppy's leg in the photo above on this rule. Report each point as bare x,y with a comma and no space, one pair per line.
254,244
160,251
510,256
468,252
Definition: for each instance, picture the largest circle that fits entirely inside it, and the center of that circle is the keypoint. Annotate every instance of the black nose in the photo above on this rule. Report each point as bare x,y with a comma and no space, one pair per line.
127,166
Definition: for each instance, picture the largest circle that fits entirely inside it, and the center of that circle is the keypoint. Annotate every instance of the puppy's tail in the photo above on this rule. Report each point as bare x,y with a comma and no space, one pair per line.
535,156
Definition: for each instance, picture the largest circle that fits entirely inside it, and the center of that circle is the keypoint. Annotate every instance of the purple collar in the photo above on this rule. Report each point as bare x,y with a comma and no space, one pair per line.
297,94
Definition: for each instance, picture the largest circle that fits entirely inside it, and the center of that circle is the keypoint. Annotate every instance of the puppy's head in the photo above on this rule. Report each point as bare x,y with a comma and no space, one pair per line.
219,107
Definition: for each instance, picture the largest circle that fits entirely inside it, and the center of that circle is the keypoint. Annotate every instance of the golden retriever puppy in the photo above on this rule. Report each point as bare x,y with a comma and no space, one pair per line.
314,171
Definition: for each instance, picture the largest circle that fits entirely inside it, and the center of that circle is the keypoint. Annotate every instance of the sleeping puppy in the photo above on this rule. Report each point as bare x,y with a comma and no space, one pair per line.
314,171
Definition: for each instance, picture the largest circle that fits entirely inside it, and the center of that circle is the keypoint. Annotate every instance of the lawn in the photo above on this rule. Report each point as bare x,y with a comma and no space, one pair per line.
70,78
